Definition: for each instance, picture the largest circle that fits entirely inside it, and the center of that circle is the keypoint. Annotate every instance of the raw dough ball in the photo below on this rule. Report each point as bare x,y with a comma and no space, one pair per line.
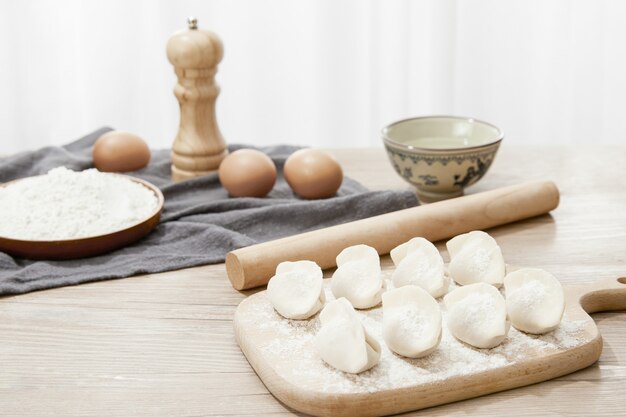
313,173
119,151
477,315
475,257
297,289
411,321
343,342
358,276
247,173
534,300
418,262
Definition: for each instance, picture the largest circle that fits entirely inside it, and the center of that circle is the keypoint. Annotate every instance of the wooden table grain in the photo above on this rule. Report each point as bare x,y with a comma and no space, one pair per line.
162,344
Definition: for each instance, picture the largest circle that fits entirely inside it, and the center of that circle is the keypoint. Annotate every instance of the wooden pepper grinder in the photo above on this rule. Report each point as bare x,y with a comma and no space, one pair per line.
198,147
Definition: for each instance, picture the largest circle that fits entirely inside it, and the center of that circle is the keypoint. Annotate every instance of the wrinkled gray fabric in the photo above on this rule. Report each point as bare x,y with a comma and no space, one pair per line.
199,223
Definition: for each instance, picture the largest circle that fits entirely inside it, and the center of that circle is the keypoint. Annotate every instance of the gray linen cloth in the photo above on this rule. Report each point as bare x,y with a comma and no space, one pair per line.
199,223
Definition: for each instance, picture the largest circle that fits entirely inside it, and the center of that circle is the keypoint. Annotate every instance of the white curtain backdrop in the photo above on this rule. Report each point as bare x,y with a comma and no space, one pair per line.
317,72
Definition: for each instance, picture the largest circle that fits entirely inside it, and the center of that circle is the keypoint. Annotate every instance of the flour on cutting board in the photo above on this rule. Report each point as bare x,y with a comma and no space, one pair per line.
65,204
290,346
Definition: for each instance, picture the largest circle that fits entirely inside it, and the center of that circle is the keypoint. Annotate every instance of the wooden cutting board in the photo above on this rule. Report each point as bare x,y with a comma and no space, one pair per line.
282,354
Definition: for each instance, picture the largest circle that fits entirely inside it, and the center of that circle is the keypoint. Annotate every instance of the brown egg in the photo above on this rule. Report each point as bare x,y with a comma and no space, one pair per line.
118,151
313,173
247,173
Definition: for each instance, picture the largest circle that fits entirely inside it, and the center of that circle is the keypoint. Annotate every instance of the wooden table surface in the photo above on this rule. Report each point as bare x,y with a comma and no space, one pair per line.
163,344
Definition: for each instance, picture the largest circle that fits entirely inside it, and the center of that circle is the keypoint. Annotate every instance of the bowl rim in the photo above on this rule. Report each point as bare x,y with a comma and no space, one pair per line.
401,145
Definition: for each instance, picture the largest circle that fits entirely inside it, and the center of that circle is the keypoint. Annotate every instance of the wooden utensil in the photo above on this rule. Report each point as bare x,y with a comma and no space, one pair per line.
308,394
254,265
198,147
87,246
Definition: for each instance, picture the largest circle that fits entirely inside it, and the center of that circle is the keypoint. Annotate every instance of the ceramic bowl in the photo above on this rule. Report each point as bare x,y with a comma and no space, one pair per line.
441,155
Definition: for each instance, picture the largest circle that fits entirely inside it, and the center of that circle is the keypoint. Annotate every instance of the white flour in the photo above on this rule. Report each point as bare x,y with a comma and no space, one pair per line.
289,346
411,322
529,295
65,204
475,310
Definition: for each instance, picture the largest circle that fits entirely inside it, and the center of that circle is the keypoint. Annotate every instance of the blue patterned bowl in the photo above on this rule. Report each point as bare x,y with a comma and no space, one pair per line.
441,155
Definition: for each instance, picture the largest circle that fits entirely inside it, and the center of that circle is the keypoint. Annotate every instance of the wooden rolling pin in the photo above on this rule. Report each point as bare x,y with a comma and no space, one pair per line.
254,265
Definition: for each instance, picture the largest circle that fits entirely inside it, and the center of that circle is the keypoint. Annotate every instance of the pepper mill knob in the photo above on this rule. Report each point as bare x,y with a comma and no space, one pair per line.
192,23
199,146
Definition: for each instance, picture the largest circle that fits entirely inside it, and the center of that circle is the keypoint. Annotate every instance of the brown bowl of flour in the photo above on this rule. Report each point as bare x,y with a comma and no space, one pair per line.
70,215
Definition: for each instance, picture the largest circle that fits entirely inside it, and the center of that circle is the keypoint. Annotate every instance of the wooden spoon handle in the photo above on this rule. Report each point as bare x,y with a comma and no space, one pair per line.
603,295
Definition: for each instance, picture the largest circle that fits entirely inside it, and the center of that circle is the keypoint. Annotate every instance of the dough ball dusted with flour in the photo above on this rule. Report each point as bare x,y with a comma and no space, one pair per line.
297,289
411,321
343,342
477,315
358,277
475,257
534,300
418,262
